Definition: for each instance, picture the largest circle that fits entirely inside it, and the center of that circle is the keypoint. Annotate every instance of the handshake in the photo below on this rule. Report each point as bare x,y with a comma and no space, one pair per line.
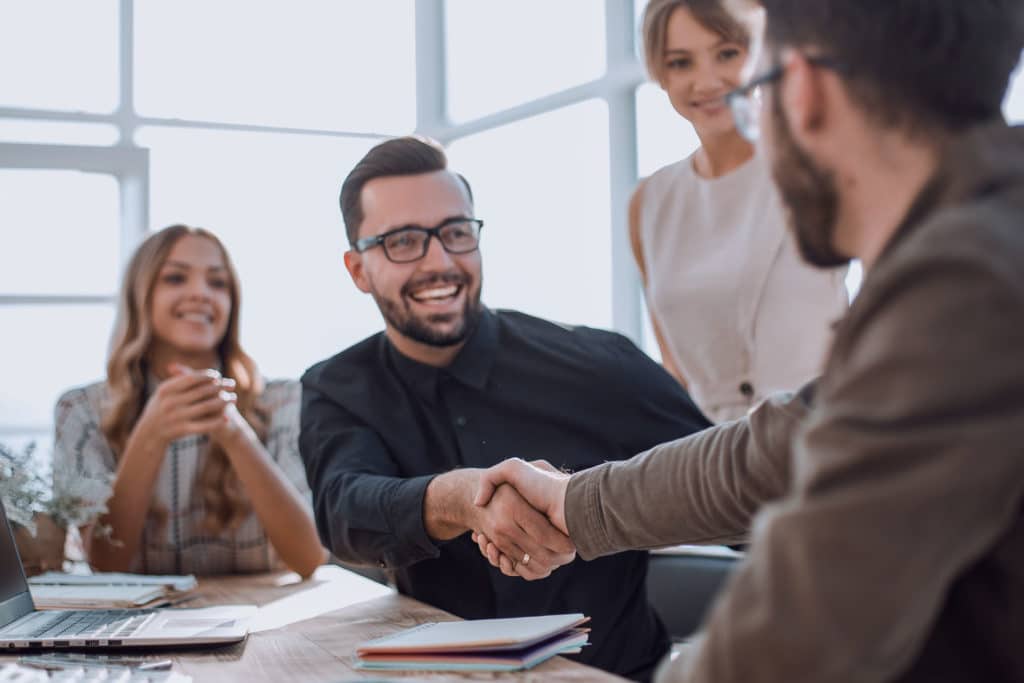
526,534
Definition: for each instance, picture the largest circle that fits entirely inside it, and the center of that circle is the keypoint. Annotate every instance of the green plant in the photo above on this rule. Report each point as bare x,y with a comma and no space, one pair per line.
27,489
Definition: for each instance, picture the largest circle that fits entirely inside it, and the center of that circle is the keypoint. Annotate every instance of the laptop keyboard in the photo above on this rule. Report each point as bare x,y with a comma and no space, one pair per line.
99,624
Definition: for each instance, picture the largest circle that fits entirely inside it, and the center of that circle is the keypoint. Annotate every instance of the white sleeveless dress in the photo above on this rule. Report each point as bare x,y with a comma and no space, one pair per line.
742,314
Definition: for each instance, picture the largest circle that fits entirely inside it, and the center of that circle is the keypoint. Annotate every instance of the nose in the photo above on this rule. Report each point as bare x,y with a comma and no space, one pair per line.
198,289
436,257
708,78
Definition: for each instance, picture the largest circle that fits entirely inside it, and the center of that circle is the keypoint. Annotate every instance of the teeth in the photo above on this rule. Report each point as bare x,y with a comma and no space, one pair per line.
438,293
196,317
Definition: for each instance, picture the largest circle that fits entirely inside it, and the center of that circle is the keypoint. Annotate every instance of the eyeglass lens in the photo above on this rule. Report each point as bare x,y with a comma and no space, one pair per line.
411,244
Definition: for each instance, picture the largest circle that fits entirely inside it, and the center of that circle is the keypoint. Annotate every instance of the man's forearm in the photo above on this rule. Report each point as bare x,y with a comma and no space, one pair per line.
448,505
704,488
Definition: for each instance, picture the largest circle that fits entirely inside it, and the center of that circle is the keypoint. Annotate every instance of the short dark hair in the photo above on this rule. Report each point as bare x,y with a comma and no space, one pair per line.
912,64
408,155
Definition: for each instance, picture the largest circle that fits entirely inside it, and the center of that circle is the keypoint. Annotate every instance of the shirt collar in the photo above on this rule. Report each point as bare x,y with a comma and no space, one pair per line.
472,366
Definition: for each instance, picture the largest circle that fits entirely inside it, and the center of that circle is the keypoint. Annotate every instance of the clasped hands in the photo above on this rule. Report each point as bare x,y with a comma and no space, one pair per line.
539,543
190,402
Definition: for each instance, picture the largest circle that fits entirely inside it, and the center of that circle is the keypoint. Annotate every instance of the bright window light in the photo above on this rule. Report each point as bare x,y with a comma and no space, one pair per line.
503,54
346,66
59,55
47,350
68,232
57,132
663,136
542,187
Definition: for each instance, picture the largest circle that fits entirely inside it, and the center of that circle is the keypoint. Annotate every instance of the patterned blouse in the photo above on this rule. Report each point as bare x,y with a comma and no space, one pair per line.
177,543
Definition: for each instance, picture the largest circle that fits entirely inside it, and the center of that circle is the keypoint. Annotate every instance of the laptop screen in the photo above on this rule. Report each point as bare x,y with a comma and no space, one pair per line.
13,587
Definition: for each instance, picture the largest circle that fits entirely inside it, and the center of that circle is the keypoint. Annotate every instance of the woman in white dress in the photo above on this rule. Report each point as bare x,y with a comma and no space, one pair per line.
201,454
737,313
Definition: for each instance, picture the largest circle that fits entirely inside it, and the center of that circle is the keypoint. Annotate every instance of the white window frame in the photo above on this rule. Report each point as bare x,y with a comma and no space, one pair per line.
129,164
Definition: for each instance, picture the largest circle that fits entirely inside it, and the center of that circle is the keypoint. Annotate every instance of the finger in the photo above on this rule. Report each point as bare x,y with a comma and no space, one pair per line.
546,466
494,477
211,407
539,528
204,426
493,555
504,545
200,393
181,384
507,567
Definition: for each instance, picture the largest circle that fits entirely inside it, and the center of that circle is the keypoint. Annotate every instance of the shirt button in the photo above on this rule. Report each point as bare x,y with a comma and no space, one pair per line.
747,389
460,421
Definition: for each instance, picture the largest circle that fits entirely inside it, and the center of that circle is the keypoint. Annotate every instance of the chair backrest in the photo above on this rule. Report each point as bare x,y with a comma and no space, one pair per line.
682,588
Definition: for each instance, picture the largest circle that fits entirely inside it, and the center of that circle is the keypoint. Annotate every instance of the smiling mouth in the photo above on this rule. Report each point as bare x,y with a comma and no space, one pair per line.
195,317
436,295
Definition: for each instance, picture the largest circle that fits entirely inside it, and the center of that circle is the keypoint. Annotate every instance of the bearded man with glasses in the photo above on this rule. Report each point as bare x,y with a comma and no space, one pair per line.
396,429
885,501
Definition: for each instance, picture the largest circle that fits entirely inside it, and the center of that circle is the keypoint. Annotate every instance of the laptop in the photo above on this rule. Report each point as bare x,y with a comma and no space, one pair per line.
23,626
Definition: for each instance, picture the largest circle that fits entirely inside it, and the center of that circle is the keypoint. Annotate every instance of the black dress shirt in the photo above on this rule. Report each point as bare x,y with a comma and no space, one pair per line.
378,426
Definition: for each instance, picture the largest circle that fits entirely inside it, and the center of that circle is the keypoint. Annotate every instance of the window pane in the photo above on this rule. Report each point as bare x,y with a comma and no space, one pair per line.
663,136
1013,106
48,349
56,132
274,201
59,54
60,232
502,54
541,185
304,64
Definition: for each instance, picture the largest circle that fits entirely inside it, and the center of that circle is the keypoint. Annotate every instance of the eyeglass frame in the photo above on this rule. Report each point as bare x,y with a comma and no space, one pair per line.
366,243
743,93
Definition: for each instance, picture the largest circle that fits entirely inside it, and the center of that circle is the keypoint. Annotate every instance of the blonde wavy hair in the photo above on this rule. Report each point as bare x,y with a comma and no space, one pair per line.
128,367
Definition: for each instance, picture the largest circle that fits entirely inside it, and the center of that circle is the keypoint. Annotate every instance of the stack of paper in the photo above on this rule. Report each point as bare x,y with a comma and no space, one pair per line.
110,590
478,645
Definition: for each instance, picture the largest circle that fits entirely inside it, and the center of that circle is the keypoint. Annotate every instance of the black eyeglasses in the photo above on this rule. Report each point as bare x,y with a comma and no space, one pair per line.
411,242
745,104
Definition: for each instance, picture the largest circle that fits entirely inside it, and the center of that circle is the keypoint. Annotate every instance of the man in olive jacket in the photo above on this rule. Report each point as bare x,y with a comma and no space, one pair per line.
884,502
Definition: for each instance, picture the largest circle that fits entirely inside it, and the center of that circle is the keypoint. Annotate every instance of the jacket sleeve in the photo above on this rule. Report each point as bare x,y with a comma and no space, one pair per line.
365,511
909,472
704,488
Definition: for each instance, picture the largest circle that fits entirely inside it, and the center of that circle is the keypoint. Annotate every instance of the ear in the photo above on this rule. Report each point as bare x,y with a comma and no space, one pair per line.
802,97
354,265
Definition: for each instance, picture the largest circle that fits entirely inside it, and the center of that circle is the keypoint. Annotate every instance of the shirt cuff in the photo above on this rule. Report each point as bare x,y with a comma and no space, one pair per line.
405,519
583,514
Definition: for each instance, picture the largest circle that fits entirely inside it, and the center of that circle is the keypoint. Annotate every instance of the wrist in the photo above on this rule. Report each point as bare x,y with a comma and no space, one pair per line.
448,509
147,439
558,513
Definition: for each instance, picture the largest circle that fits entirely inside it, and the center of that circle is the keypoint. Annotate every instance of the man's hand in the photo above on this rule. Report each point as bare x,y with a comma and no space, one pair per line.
533,547
542,486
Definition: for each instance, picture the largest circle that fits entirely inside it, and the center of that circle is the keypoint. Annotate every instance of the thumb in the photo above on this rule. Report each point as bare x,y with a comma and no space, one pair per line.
494,477
177,369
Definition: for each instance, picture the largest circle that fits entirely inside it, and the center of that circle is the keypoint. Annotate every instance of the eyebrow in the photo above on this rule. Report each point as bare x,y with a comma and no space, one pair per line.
456,217
188,266
720,43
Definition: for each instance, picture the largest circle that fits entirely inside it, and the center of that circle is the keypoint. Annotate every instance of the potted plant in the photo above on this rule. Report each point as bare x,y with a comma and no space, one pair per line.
40,520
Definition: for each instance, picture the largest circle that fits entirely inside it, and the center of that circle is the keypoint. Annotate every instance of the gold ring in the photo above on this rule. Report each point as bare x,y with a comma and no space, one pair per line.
526,559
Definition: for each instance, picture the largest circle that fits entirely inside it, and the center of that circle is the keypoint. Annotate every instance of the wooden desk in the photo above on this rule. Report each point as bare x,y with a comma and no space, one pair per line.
308,631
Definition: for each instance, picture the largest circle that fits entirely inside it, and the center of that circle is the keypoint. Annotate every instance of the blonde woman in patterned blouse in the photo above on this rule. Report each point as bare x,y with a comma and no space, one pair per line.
203,456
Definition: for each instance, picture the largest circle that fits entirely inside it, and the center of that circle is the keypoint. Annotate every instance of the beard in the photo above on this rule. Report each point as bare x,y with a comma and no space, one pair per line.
809,195
433,329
